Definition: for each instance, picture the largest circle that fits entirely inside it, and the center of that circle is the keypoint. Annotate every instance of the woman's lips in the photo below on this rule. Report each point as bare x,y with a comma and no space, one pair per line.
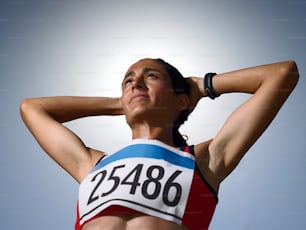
138,97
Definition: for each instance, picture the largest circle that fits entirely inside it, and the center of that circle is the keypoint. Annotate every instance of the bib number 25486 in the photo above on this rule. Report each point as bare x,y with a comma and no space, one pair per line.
150,181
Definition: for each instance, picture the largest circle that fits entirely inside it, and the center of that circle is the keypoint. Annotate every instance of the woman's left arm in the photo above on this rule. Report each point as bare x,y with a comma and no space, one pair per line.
270,85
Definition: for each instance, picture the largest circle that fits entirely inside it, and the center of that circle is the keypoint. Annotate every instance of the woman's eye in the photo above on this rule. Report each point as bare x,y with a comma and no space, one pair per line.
127,82
151,75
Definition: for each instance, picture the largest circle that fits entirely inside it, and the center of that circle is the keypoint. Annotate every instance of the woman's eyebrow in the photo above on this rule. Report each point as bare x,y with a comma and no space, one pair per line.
145,70
148,69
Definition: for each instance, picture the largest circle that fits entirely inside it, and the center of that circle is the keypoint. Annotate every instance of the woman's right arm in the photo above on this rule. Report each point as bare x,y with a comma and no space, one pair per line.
43,117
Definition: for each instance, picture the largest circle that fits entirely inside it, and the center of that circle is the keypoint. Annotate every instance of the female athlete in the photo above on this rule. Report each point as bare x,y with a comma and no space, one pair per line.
158,181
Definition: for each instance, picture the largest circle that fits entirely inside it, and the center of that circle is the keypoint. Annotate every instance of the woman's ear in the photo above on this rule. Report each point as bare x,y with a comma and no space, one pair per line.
182,102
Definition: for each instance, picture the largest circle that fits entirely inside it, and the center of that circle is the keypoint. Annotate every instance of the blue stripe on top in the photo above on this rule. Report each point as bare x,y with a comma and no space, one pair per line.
147,151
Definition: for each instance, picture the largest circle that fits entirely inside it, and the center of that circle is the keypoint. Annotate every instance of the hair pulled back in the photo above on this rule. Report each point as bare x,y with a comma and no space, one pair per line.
180,86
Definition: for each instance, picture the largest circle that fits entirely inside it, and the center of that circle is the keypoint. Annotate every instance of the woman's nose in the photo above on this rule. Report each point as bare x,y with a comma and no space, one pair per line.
138,83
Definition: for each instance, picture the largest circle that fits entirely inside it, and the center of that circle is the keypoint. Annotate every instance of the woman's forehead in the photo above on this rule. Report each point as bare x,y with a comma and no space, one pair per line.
147,63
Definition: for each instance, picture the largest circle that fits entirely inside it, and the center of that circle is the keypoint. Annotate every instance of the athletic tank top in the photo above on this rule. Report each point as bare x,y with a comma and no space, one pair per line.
148,177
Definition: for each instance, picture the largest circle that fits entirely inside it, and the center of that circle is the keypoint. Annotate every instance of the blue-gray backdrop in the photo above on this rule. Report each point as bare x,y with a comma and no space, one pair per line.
83,47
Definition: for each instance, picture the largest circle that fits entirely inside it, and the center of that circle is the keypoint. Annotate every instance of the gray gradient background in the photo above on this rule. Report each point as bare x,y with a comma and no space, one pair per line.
84,47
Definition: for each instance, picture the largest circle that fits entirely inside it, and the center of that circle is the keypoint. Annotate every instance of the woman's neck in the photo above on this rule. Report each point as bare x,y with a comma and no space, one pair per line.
148,131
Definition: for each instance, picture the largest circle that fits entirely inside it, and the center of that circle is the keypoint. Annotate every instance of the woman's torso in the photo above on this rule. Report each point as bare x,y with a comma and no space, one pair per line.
125,219
130,222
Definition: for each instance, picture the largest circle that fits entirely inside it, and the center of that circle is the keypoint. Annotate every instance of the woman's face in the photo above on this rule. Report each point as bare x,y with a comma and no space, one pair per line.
147,93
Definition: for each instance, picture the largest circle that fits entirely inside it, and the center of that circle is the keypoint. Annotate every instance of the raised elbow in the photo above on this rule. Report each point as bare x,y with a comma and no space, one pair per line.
25,106
291,73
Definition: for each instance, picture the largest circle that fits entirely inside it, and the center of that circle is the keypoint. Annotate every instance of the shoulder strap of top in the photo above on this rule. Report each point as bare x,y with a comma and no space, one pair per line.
188,149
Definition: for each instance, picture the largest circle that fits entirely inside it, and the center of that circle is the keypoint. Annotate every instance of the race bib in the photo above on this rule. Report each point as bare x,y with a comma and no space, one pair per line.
148,176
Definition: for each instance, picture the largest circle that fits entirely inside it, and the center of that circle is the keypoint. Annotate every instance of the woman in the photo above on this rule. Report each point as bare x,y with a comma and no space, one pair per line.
158,181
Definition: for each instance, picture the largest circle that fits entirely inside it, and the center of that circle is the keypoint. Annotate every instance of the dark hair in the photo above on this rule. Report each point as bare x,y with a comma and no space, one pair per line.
180,86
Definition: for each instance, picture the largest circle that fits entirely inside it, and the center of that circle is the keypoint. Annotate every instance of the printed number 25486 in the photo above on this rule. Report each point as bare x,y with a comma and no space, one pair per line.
132,179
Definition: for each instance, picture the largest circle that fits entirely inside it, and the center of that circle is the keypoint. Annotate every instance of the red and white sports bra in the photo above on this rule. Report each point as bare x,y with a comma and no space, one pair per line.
202,201
158,175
